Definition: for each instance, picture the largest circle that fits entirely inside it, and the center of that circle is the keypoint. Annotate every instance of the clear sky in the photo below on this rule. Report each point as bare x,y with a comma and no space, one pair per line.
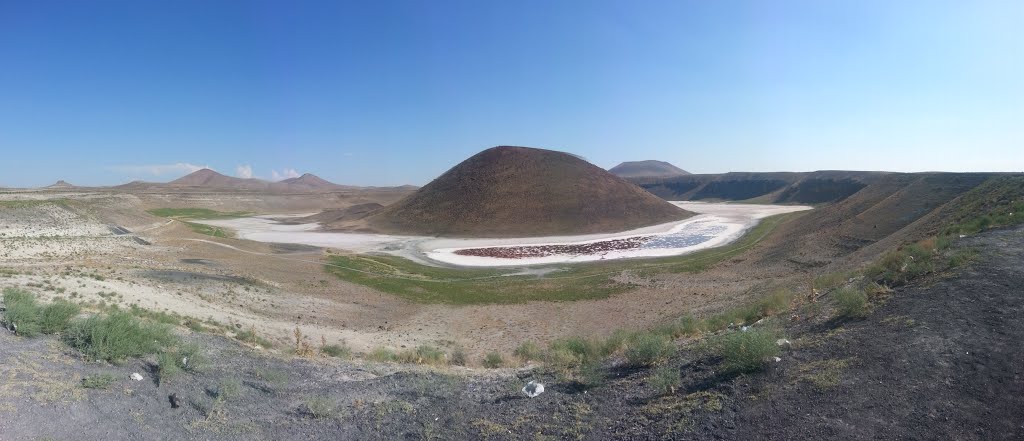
395,92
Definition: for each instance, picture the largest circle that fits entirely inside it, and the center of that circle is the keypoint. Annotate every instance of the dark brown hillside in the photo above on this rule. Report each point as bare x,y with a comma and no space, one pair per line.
521,191
765,187
892,209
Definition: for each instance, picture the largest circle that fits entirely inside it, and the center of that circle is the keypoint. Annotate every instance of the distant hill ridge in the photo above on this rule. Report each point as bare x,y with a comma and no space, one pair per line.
510,191
210,179
646,169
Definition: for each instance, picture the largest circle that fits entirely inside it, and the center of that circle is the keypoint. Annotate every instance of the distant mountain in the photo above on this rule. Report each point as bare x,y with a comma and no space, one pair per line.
211,180
521,191
647,169
207,178
60,184
312,182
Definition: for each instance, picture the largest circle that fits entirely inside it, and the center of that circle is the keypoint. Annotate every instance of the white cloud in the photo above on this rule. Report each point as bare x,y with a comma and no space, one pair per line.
243,171
178,168
285,174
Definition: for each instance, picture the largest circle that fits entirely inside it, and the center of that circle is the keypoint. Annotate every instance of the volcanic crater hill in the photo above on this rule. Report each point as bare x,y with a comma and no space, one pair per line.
521,191
647,169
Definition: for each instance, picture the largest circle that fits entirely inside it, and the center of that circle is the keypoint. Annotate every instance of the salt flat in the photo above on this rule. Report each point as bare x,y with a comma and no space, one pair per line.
716,224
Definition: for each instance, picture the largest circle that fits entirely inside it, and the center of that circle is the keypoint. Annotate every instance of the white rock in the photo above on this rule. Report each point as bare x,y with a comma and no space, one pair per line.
533,388
777,359
745,328
136,376
782,342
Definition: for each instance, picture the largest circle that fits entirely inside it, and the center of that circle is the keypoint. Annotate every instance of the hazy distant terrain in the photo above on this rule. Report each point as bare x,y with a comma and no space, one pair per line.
646,169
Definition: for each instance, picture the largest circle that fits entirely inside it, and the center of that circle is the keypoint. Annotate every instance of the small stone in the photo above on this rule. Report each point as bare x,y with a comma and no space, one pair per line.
136,376
533,388
777,359
175,401
782,342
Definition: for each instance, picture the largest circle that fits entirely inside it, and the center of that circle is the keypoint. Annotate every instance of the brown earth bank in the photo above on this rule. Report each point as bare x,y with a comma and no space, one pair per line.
524,192
939,359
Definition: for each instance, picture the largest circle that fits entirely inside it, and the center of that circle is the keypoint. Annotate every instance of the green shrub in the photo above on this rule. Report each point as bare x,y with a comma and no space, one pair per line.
117,336
962,257
337,351
666,379
250,336
423,354
98,381
33,319
459,357
493,360
172,361
746,351
582,348
56,317
825,282
22,311
562,361
851,303
774,303
686,326
167,366
612,344
382,354
646,349
590,374
888,269
528,351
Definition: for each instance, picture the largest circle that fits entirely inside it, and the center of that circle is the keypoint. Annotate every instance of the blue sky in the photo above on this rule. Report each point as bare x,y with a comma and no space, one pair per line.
395,92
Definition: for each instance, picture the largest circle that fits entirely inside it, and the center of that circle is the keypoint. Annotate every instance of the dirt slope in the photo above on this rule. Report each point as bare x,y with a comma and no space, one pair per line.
936,362
520,191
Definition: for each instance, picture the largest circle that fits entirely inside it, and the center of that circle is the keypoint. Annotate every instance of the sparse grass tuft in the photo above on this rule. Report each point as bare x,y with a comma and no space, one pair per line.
423,354
172,361
851,303
665,380
383,355
98,381
250,336
823,374
528,351
117,336
319,407
746,351
33,319
338,351
56,317
646,349
494,360
459,357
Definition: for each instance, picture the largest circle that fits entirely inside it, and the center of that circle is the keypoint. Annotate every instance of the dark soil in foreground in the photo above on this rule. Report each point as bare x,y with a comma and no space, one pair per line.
941,359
